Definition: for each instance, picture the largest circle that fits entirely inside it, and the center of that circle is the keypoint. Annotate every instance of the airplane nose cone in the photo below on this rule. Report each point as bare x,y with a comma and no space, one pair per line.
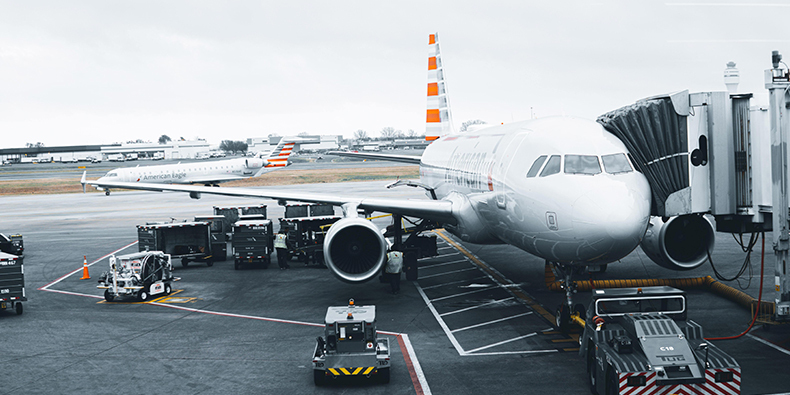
612,219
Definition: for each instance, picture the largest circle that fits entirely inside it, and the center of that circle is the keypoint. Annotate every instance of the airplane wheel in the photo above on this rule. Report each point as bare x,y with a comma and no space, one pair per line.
563,318
184,262
107,192
108,296
19,308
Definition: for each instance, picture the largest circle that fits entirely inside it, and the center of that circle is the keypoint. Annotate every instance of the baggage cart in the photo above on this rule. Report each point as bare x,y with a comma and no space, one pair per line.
12,282
188,241
252,242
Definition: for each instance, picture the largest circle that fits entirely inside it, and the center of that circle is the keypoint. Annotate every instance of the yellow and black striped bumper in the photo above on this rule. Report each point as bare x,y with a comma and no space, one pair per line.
351,371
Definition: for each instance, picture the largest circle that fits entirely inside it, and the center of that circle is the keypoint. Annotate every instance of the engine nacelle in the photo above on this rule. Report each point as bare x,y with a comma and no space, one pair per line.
194,195
682,243
354,250
254,163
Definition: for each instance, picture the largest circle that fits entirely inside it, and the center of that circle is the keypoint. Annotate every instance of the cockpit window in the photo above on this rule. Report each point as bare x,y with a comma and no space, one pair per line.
533,171
616,163
552,166
111,174
582,164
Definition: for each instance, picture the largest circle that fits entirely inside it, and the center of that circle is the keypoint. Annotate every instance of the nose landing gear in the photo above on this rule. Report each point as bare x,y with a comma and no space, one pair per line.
567,313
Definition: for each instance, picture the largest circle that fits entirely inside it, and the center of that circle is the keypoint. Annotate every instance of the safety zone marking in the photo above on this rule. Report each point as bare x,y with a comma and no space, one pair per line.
160,299
416,374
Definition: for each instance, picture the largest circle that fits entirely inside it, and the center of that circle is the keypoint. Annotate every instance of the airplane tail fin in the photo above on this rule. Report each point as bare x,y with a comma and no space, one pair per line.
83,181
439,121
279,155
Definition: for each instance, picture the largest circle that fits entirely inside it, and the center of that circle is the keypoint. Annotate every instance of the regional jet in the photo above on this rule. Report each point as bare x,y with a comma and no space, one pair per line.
208,173
562,189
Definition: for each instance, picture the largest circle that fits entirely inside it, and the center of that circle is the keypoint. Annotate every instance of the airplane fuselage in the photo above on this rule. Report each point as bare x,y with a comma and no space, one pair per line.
187,173
559,188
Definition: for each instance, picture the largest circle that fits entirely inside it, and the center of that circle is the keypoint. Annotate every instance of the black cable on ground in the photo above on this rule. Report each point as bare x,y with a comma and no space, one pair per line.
759,297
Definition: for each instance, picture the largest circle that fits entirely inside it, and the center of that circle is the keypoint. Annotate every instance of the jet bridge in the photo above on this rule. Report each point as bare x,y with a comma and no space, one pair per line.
717,153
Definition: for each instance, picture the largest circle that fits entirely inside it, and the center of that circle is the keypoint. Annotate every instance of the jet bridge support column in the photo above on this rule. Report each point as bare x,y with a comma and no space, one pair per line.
777,81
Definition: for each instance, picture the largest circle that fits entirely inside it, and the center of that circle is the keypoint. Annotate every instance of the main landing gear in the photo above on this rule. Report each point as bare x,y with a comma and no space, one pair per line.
107,191
567,313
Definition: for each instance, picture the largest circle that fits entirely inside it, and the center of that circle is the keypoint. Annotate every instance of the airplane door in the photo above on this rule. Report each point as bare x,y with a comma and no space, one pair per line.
502,165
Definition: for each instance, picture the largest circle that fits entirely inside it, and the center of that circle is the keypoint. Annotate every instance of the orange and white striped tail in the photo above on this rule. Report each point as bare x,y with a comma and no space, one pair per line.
279,155
438,119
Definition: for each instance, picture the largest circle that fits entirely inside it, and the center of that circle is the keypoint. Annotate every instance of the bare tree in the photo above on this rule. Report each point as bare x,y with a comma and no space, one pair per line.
411,133
164,139
399,134
388,132
36,145
360,135
467,124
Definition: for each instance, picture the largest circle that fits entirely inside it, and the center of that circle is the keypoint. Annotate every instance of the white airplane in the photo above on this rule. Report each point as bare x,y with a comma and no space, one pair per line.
208,173
562,189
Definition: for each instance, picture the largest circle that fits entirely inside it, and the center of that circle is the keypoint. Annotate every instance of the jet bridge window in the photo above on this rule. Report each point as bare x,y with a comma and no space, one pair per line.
616,163
552,166
533,171
582,164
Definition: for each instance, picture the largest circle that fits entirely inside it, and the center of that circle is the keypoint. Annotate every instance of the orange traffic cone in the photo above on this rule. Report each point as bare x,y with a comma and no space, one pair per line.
85,274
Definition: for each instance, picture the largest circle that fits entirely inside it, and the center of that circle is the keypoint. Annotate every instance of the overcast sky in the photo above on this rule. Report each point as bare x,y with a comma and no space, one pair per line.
92,72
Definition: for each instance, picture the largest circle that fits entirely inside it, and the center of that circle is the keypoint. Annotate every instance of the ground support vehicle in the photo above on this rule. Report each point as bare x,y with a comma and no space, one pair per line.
350,346
12,244
140,275
12,282
188,241
306,237
253,242
231,215
218,230
638,341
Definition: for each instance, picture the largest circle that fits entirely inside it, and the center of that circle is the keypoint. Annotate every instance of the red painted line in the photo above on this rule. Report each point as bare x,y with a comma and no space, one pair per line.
407,358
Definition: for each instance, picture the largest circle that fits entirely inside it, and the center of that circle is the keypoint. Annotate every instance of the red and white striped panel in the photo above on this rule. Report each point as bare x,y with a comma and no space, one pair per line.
438,119
280,158
710,387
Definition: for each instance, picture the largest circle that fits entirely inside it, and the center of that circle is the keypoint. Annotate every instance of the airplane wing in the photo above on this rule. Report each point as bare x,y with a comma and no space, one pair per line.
410,159
437,210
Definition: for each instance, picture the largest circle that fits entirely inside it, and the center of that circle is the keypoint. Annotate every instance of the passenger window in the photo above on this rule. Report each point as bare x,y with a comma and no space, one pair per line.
582,164
552,166
533,171
616,163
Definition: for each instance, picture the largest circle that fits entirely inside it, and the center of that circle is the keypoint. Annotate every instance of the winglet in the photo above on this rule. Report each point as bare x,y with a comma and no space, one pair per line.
439,121
83,181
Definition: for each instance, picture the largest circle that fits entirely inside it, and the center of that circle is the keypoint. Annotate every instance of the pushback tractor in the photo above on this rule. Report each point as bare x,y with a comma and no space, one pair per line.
638,341
140,275
350,346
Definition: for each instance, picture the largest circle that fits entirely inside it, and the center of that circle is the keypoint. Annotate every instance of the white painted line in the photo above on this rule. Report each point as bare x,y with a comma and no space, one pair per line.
491,322
454,282
426,390
79,269
441,322
514,352
502,342
474,307
450,272
769,344
487,288
444,263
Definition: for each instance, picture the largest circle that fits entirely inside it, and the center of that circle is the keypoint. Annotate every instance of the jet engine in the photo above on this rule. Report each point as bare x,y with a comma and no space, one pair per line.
681,243
354,250
253,163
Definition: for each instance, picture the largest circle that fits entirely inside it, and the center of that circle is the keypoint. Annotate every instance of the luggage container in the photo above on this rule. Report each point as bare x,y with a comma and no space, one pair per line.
231,214
253,242
188,241
12,282
218,229
306,237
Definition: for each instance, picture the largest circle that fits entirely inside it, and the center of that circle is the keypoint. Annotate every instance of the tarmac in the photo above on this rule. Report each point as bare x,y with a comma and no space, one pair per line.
477,321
